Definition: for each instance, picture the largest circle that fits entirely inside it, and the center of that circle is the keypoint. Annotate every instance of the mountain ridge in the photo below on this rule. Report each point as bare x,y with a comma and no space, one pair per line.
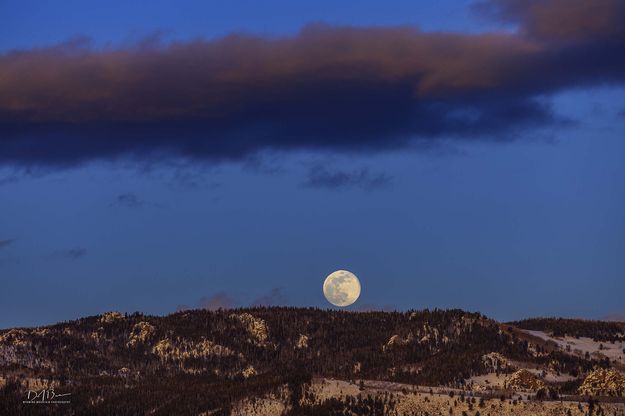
249,352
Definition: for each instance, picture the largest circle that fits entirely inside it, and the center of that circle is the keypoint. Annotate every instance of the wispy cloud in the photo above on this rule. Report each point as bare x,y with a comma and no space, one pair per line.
275,297
614,317
6,243
219,300
188,176
129,200
72,253
372,307
263,164
10,178
224,300
323,177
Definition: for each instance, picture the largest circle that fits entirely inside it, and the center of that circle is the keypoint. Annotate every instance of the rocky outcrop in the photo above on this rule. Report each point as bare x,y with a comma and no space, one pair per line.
603,382
396,341
523,380
181,349
272,404
256,327
16,347
302,342
248,372
494,362
141,332
111,317
15,338
432,336
41,332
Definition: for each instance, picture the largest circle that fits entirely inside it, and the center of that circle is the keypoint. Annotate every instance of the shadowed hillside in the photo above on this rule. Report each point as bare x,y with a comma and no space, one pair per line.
200,361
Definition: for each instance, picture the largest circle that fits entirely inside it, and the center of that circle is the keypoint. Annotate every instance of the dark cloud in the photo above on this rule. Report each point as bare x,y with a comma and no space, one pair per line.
327,88
73,253
562,20
275,297
129,200
6,243
320,176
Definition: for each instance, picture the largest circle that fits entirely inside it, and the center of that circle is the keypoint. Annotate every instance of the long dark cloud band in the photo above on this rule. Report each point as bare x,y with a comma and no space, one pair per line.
338,88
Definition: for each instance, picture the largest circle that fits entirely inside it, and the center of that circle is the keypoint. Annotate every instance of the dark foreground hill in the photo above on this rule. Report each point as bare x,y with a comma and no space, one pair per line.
205,362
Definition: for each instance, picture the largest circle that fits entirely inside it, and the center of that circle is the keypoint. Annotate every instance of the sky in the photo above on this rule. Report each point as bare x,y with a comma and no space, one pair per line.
452,154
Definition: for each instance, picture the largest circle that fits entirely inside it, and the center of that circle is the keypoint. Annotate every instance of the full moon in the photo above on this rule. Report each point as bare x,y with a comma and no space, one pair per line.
341,288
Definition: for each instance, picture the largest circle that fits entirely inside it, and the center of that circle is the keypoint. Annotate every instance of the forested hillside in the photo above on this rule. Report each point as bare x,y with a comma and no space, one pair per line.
199,360
597,330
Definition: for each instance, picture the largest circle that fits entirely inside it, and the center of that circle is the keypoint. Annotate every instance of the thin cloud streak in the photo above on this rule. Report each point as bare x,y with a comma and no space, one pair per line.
6,243
275,297
323,177
72,253
129,200
224,300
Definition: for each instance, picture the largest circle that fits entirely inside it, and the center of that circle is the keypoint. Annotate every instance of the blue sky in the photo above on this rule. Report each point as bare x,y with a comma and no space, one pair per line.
33,23
511,223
